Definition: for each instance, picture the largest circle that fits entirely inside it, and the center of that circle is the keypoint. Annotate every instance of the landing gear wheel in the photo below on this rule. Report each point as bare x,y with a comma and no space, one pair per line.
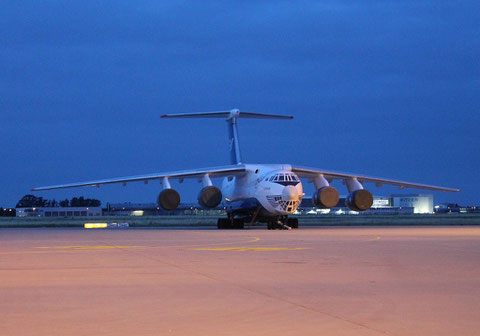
278,225
238,224
223,223
293,223
227,223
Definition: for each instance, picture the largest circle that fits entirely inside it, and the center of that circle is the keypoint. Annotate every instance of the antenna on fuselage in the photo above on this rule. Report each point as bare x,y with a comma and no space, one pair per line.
231,118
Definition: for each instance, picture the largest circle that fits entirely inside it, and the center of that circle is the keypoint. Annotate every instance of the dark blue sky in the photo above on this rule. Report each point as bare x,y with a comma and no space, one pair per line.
387,89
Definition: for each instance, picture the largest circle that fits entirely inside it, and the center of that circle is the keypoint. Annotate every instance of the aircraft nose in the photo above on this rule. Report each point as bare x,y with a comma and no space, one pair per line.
290,193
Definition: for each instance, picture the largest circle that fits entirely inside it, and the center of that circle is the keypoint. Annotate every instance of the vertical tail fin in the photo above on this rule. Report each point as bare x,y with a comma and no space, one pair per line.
231,118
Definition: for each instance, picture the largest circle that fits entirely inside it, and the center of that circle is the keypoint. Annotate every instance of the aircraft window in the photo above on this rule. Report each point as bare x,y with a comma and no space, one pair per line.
283,177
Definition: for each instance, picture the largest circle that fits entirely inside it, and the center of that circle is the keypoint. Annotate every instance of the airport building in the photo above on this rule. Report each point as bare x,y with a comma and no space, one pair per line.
421,203
59,212
391,205
152,209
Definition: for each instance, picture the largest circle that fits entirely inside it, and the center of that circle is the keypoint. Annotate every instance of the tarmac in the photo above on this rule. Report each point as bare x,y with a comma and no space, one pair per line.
310,281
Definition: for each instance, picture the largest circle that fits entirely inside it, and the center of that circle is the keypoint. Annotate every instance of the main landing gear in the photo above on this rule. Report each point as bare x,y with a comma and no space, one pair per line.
230,223
280,223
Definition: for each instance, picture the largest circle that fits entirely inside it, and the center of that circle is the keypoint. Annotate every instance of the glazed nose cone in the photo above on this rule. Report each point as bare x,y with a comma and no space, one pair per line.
290,193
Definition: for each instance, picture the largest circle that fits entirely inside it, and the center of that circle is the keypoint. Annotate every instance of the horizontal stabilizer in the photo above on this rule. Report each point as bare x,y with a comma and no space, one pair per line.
227,115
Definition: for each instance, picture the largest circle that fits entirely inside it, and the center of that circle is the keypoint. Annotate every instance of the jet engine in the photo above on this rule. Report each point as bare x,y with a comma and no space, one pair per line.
325,197
168,199
210,197
359,200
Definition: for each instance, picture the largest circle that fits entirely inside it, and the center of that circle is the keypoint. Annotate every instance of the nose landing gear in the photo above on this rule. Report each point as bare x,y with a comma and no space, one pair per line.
283,223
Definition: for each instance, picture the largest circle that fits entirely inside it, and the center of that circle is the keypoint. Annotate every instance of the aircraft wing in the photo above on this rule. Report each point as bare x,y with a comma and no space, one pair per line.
233,170
330,175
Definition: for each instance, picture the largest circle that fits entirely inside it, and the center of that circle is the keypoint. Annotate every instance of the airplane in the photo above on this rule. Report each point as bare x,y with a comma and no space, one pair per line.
252,193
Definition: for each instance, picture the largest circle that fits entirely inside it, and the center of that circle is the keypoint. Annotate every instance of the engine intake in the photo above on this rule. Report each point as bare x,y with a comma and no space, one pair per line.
325,197
210,197
168,199
359,200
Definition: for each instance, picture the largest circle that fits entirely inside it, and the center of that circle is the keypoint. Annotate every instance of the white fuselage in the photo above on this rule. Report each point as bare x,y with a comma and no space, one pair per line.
274,188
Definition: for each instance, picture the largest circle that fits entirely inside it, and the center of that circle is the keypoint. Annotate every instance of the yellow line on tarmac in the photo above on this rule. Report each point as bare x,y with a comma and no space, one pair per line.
254,240
110,247
89,247
256,249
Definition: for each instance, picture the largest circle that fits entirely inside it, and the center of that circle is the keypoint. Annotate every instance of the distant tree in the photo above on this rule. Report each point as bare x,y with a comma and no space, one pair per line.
74,202
29,201
94,202
65,203
89,202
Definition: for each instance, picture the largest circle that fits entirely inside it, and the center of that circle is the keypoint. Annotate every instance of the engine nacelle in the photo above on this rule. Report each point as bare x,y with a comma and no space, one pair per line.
210,197
325,197
168,199
359,200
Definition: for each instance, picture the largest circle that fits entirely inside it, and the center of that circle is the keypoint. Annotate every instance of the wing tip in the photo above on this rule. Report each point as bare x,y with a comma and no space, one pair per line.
163,115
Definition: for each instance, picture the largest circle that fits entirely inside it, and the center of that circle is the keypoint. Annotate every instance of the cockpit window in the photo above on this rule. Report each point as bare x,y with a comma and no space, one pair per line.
288,177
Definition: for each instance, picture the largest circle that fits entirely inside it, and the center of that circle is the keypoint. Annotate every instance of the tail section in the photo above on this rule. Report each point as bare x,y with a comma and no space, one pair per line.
231,118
